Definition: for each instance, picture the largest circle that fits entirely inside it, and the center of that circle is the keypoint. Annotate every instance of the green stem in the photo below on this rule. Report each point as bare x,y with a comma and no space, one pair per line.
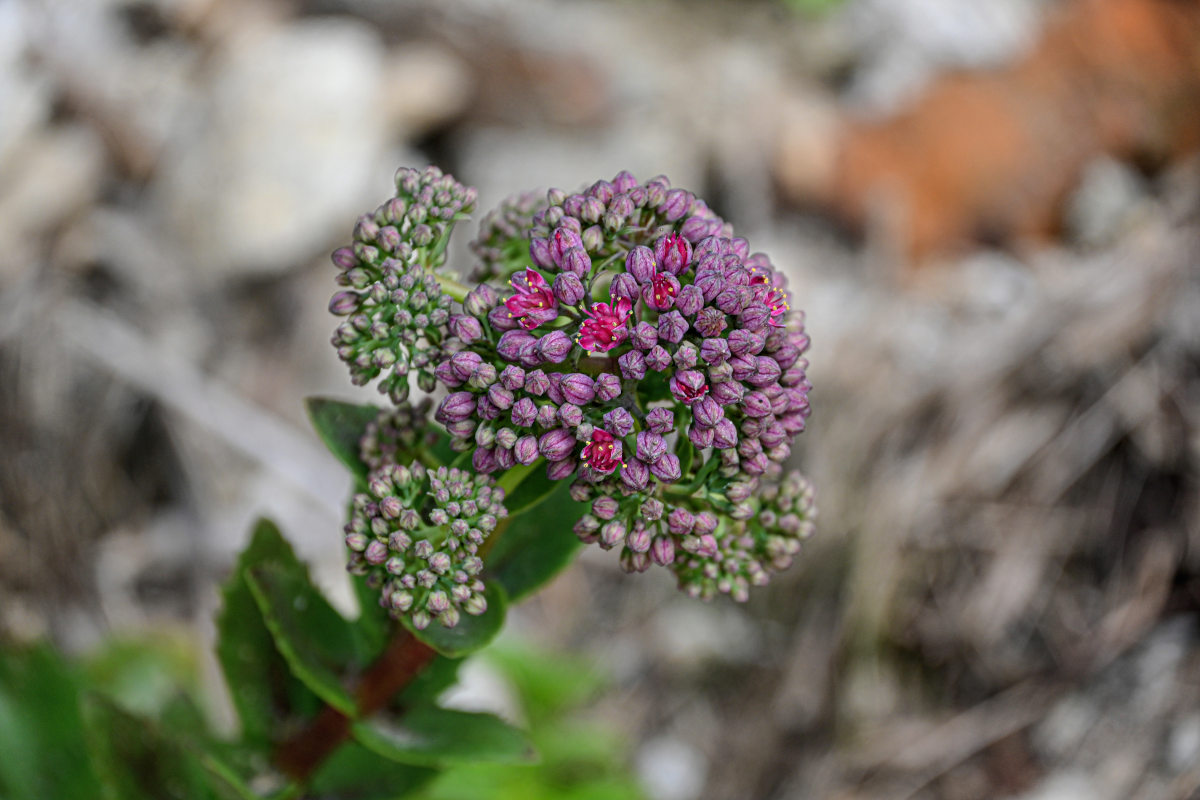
452,287
513,478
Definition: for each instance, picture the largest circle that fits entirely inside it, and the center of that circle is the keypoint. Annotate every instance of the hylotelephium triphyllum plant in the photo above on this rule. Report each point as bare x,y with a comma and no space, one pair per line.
619,341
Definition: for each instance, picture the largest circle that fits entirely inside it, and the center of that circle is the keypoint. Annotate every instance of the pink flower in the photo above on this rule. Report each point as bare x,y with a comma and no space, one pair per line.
661,292
534,302
605,327
776,300
603,452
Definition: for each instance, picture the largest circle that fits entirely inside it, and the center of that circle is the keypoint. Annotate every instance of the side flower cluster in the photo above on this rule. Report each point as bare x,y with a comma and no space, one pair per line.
415,533
502,245
395,310
394,436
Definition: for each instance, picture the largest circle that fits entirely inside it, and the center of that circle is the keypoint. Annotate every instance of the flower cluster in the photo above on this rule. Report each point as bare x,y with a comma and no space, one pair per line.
394,436
416,534
395,309
502,245
647,354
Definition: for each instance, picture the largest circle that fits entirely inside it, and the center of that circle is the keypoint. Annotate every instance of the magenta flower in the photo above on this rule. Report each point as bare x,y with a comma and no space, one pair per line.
776,300
660,294
534,302
603,452
605,327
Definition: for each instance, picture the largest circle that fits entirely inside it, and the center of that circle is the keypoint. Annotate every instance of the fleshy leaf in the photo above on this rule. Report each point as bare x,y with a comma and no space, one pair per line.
314,639
472,632
260,683
432,736
355,773
537,546
340,426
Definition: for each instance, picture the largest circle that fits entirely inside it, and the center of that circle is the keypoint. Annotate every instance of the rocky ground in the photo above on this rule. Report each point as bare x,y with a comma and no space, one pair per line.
1002,598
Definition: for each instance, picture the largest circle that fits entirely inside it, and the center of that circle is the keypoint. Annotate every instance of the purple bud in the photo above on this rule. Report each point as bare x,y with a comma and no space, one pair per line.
511,344
624,181
672,326
568,289
500,397
608,386
554,346
480,300
741,367
624,285
557,444
701,437
605,507
652,509
635,474
680,521
512,378
644,336
660,420
484,460
570,415
555,390
689,301
756,404
558,470
662,550
675,204
344,258
505,458
725,435
633,366
688,386
547,415
686,356
536,383
455,406
728,392
561,241
540,252
464,363
650,446
578,388
754,316
667,468
526,450
714,351
445,373
706,522
658,358
766,372
742,342
592,211
695,229
576,262
465,328
501,319
592,237
612,533
638,540
710,322
376,552
673,253
524,412
707,412
618,422
343,303
640,264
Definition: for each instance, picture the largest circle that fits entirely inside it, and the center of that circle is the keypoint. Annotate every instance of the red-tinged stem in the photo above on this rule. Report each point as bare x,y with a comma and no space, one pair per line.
403,660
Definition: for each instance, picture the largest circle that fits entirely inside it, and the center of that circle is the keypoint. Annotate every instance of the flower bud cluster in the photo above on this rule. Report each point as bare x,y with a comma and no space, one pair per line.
750,543
415,533
395,310
396,433
502,245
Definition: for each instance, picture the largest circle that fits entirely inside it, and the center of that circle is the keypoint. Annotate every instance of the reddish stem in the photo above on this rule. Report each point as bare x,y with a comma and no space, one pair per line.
402,661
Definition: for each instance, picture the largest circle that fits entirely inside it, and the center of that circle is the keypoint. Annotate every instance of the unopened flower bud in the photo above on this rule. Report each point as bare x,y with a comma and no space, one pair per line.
568,289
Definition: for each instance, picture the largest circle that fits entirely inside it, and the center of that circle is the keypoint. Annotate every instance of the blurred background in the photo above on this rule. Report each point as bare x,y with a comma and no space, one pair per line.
987,209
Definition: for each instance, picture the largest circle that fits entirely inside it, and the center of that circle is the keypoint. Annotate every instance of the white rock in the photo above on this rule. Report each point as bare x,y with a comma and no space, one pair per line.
671,769
286,148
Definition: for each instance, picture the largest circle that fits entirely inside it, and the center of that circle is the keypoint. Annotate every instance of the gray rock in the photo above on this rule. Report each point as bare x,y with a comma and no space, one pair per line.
284,149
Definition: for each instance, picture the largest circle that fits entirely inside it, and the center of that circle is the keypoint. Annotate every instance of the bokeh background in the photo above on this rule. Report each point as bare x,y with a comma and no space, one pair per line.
987,209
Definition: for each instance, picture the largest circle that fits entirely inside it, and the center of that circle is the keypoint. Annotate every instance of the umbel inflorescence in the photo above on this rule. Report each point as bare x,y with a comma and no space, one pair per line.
622,339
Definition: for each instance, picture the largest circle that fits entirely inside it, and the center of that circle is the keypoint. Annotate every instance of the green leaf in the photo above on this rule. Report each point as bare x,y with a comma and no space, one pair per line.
471,633
263,690
315,640
355,773
43,752
432,736
548,683
535,547
340,426
135,761
532,487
